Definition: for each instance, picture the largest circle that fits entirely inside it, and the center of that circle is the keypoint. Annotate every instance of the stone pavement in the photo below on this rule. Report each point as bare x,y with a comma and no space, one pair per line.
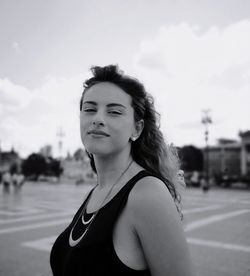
216,224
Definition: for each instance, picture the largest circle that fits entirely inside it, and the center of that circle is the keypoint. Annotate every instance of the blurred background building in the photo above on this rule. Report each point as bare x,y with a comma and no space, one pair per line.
231,157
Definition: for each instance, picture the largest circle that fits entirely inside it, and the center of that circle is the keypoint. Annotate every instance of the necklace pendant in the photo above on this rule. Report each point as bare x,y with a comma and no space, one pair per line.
86,222
73,242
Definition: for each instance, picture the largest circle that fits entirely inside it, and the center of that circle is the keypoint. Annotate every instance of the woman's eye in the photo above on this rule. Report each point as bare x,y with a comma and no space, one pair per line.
115,112
89,110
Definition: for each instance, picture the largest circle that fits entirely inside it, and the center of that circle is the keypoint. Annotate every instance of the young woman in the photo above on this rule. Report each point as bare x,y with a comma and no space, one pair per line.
129,223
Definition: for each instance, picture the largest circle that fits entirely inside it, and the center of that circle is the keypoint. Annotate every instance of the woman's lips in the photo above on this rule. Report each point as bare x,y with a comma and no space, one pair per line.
98,134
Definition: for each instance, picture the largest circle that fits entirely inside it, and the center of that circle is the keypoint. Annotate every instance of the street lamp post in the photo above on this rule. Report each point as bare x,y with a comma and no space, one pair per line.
60,134
206,120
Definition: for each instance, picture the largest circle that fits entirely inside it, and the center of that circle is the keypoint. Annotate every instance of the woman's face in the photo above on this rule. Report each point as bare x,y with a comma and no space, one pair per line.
106,119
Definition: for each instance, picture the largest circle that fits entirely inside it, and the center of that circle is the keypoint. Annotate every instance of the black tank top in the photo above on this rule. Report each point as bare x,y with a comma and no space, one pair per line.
94,255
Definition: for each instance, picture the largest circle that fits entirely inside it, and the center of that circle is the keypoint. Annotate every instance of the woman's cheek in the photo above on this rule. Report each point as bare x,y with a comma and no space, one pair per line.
83,130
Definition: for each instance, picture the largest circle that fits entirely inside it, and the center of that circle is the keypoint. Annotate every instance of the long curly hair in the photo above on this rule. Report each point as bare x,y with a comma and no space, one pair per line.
149,150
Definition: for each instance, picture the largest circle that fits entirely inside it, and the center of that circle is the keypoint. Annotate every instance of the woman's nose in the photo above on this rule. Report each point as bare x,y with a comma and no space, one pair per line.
99,119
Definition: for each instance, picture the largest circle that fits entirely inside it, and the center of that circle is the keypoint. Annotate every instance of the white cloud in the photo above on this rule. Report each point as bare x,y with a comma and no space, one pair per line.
13,96
188,70
31,118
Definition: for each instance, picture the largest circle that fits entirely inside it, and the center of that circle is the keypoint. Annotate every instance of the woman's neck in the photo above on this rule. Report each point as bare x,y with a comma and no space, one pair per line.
109,169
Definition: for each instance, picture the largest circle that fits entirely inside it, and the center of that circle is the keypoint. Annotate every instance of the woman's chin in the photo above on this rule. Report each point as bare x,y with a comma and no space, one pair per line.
96,151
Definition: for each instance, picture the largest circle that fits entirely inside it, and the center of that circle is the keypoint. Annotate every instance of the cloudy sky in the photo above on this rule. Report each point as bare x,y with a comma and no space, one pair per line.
191,55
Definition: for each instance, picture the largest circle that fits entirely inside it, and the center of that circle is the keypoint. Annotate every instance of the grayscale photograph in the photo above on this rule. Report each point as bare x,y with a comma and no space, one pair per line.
124,138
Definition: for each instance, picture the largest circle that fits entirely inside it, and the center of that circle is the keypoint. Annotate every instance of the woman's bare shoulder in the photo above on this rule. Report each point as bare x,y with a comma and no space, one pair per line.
150,192
157,224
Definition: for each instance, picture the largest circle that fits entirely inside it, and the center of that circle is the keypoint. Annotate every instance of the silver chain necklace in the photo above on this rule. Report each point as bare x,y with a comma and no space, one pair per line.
73,242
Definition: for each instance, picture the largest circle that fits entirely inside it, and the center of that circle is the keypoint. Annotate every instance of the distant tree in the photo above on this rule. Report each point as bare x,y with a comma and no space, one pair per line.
79,154
34,165
191,158
54,167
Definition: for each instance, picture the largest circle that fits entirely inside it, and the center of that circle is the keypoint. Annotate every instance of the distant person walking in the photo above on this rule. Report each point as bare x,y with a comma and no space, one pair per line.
17,181
195,179
6,179
204,184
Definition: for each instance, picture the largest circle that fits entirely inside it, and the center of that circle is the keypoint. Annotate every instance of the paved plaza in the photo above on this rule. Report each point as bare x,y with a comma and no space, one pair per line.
216,223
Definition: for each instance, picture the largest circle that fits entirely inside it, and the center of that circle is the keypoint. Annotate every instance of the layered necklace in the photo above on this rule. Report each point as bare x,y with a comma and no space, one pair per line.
87,223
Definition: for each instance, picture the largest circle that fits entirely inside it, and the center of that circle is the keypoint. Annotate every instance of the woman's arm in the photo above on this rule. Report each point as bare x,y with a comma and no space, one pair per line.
159,229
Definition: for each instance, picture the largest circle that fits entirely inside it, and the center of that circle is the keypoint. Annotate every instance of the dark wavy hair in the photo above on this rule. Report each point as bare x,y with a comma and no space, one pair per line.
150,149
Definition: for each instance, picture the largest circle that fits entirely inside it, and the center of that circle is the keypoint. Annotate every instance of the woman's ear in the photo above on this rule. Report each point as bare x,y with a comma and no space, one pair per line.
138,130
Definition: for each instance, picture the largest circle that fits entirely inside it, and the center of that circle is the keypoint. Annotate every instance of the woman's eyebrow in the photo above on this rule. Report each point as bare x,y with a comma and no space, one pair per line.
90,102
108,105
115,104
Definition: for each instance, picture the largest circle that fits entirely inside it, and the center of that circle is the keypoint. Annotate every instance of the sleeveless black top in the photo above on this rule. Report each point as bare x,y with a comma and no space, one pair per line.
95,254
